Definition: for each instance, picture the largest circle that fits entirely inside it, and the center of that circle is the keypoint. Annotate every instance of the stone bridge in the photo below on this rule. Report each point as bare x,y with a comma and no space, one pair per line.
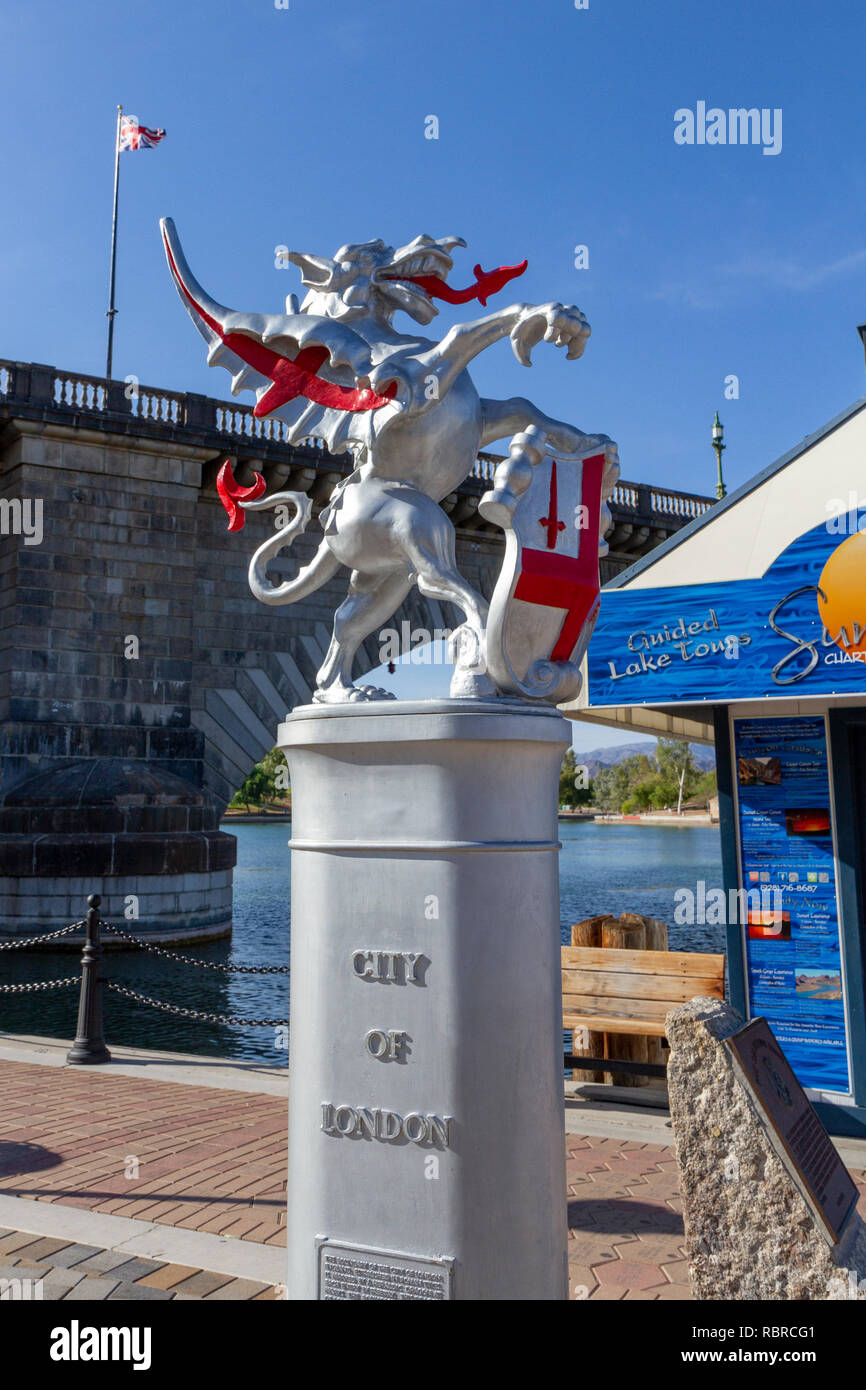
139,679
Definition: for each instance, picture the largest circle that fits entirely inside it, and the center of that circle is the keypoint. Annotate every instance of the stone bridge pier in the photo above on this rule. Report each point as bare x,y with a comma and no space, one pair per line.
139,679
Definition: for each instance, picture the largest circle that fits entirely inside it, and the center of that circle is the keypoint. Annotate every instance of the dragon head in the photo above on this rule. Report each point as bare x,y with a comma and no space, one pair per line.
370,278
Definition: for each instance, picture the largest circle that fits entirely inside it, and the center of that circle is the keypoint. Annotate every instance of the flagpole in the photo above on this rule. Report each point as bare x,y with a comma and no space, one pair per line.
111,309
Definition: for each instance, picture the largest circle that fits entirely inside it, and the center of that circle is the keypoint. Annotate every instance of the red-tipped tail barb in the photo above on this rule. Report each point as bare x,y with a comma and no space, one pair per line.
231,495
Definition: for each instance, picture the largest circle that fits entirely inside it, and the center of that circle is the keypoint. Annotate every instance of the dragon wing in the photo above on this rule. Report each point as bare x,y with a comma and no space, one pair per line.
304,368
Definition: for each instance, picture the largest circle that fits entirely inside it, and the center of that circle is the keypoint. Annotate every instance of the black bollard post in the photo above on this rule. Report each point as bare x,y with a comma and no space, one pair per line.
89,1046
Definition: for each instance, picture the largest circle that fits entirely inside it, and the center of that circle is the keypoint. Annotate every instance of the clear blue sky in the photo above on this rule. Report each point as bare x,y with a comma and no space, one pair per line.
305,127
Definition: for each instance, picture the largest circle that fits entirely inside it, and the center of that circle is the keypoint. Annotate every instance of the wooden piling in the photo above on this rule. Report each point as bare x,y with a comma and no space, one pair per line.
586,1043
625,933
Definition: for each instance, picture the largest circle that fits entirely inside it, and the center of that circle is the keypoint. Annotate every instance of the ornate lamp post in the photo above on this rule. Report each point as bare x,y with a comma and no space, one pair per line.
719,445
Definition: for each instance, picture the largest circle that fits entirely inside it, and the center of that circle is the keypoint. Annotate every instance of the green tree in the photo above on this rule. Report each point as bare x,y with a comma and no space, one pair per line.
276,768
643,783
608,790
706,787
677,770
575,787
268,781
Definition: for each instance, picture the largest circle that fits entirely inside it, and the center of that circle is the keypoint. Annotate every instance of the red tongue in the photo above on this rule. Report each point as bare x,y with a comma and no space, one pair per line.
486,283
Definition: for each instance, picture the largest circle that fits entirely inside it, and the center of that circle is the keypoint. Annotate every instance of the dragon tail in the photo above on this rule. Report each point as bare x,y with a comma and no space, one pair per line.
310,577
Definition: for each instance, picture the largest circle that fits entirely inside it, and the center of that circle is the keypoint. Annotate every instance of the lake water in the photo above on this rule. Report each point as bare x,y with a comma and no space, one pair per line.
603,868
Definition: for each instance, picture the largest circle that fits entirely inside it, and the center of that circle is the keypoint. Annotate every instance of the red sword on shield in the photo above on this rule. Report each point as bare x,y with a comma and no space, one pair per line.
552,521
565,581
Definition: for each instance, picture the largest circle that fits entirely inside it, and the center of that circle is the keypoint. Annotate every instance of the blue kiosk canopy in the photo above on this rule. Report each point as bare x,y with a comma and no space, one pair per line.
799,629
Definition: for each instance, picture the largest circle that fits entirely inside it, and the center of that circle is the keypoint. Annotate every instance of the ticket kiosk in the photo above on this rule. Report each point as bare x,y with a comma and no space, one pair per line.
747,629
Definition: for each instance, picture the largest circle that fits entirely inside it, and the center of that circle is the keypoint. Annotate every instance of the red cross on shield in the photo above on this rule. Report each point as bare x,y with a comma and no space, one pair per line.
546,598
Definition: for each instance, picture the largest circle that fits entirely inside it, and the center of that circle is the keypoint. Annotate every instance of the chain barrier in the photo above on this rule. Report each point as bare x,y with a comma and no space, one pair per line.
33,940
195,1013
42,984
89,981
191,960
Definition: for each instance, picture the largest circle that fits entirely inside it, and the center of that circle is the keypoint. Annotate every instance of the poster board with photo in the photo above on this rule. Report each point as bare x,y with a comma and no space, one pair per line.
794,968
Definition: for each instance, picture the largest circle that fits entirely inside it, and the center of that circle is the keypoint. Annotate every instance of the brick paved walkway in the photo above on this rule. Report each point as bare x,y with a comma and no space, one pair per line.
625,1227
62,1270
207,1160
214,1160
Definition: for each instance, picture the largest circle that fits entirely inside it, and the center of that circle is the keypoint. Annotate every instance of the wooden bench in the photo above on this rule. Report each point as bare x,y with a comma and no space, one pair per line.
615,991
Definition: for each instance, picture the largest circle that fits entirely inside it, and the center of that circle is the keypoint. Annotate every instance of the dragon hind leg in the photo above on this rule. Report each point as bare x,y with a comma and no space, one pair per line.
371,601
438,577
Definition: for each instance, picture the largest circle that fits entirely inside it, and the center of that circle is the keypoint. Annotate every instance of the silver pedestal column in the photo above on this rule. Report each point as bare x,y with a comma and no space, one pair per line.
426,1153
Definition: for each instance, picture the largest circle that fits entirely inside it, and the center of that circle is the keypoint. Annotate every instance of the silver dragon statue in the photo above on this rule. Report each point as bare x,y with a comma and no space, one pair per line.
335,368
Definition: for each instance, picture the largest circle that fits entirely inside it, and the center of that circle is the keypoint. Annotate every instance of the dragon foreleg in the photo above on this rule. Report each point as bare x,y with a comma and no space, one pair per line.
464,341
501,418
525,324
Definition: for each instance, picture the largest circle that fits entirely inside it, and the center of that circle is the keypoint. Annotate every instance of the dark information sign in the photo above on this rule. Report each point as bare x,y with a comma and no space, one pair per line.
799,1138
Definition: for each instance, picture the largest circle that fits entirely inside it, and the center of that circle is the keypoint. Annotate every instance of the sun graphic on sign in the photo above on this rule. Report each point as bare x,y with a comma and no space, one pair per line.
843,586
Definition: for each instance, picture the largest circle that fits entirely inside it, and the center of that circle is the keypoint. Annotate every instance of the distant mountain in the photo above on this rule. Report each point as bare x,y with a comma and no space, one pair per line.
596,758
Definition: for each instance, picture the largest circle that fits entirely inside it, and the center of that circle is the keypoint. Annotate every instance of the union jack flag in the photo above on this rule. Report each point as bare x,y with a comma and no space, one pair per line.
135,136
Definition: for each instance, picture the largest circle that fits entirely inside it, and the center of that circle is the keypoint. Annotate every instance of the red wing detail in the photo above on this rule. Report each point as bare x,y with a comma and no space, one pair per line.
230,494
290,378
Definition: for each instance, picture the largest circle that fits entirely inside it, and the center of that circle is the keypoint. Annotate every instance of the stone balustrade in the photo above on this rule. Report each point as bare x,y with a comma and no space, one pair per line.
651,512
